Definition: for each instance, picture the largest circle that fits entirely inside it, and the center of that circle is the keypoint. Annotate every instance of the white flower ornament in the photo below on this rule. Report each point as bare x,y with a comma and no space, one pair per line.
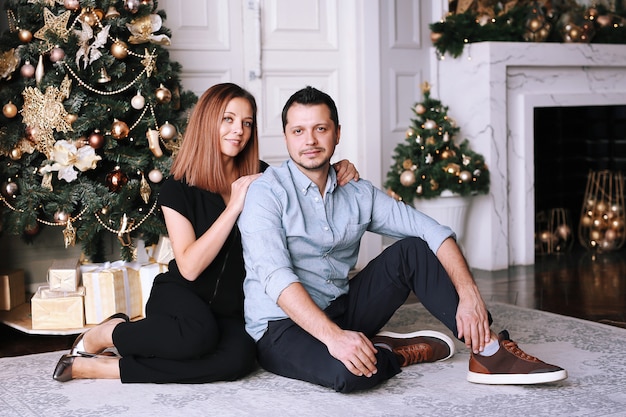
66,157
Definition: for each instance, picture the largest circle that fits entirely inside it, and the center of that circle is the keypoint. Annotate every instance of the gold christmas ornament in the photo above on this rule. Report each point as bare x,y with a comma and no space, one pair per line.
15,154
104,76
119,129
452,169
407,178
89,17
99,13
149,62
119,49
434,185
407,164
144,189
71,118
116,180
420,109
96,139
69,235
55,24
9,61
430,124
447,153
142,30
163,95
112,13
25,36
9,110
167,131
45,112
465,176
153,142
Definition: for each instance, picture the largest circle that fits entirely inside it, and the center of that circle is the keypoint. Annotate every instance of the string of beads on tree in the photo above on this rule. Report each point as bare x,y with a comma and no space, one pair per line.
92,113
429,161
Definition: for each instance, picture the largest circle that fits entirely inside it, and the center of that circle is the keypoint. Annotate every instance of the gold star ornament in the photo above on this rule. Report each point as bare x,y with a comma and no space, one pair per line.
54,24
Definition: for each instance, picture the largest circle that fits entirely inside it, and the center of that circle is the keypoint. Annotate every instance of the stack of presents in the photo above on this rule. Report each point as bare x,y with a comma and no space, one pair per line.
78,294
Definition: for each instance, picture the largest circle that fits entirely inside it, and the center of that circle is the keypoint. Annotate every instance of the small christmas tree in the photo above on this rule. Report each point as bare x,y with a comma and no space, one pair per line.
92,112
429,161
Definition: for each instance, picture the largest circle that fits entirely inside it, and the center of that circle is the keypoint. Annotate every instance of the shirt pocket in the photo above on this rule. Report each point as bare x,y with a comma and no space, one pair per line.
352,234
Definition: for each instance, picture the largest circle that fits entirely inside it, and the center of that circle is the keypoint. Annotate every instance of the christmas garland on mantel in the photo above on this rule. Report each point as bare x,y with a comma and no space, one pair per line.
528,22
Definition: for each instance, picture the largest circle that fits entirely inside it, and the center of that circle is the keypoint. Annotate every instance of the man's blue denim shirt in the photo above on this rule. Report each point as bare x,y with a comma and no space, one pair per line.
290,233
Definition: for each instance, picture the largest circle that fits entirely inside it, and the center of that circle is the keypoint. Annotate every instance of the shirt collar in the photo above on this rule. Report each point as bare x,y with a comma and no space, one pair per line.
304,183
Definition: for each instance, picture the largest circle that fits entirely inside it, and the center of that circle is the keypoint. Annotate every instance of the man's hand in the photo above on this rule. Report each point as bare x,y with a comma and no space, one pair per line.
472,320
355,351
472,323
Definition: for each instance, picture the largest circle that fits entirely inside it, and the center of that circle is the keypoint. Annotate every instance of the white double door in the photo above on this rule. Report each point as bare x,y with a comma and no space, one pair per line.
370,55
273,48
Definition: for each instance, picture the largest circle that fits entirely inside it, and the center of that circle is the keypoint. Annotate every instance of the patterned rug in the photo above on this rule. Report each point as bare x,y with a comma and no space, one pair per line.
592,353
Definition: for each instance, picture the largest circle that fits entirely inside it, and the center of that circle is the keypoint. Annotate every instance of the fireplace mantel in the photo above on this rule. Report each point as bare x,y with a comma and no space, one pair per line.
491,91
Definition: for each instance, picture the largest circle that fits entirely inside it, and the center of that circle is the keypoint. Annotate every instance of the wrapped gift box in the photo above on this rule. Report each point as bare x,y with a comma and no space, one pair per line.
64,275
53,310
147,273
12,291
163,252
111,288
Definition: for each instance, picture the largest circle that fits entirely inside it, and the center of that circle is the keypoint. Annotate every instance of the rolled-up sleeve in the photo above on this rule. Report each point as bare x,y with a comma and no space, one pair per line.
399,220
264,242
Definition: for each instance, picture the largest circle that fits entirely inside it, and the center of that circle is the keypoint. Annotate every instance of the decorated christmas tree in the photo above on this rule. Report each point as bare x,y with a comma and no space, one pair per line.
429,161
92,113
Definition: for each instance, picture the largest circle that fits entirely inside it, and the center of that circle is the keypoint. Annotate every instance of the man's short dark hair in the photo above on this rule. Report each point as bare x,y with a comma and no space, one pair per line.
309,96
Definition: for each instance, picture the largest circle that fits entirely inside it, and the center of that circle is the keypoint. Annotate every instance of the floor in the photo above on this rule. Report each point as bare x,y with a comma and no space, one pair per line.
577,284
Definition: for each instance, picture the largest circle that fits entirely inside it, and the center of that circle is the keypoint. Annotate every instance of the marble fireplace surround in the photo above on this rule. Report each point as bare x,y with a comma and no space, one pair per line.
491,91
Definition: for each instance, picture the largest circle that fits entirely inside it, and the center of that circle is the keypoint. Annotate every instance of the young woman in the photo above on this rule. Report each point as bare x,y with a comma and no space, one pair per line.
194,327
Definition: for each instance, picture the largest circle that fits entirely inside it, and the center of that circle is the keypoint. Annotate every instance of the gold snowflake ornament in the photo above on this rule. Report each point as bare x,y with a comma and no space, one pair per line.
45,111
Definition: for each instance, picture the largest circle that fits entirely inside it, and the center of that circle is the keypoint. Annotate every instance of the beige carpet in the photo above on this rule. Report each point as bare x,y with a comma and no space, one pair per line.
592,353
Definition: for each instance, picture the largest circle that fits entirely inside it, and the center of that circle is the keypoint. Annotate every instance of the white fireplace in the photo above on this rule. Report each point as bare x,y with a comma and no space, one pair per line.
491,91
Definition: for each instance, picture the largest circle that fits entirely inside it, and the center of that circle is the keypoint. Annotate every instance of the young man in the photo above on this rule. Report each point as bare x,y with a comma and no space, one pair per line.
301,236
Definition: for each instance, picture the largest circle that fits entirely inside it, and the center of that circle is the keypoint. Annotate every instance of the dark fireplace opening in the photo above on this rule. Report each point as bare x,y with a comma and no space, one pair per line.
569,142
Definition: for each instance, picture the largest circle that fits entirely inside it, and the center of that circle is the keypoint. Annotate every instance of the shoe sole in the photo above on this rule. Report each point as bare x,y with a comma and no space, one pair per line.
424,333
516,379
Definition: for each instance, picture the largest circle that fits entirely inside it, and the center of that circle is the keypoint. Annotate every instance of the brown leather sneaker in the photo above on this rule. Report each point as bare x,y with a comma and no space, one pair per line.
416,347
510,365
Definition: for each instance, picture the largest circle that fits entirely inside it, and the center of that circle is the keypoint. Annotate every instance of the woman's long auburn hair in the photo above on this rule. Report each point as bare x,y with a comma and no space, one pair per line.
199,160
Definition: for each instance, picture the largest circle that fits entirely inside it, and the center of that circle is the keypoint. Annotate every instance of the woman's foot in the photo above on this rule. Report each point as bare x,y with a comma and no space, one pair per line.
79,367
95,340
